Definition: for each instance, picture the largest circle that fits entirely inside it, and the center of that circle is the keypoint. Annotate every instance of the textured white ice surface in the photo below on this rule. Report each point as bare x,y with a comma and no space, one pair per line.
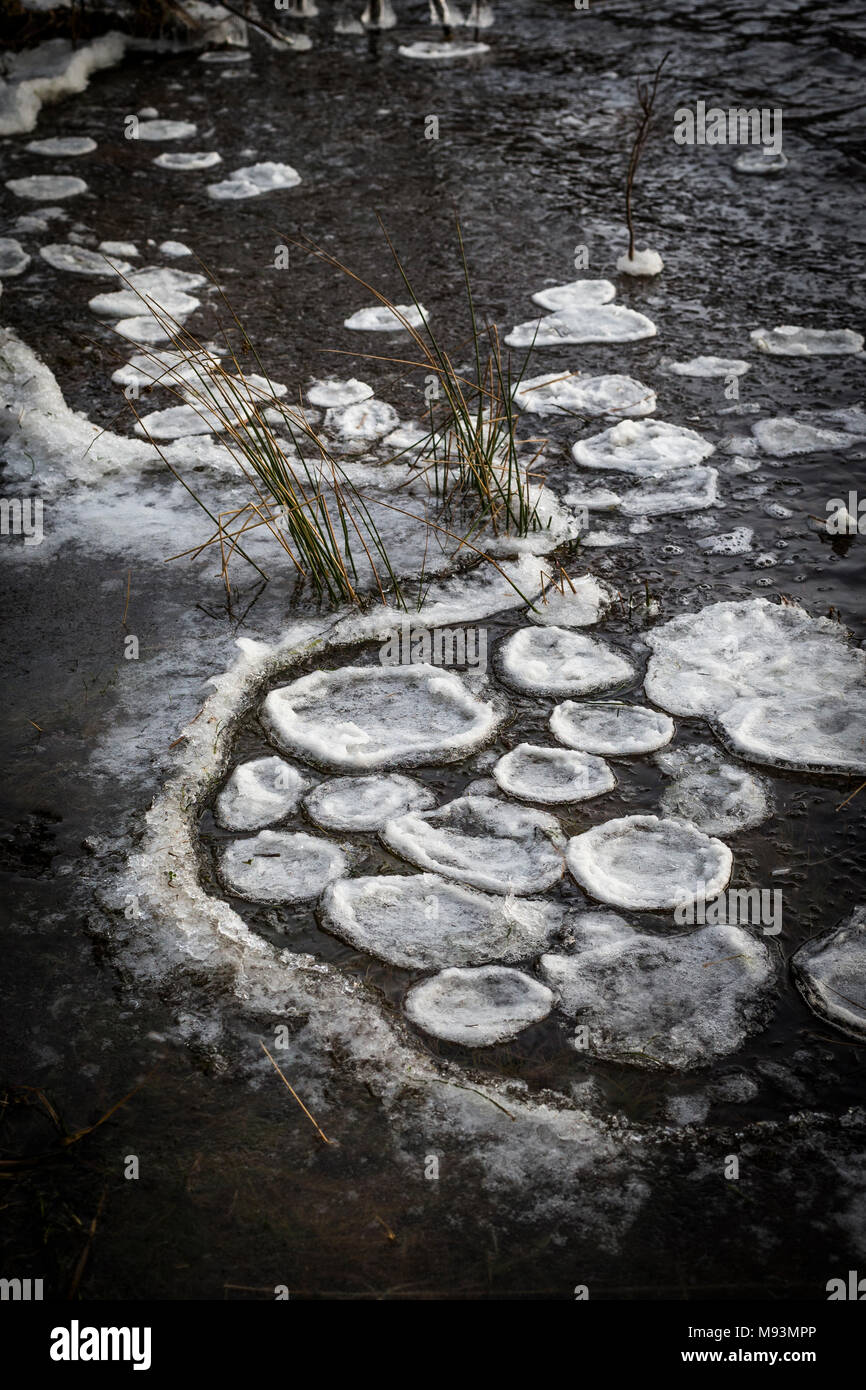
642,447
552,775
188,159
826,733
672,492
657,1001
365,803
713,794
785,436
252,180
580,603
577,294
611,729
571,393
63,145
80,261
381,319
428,50
489,844
259,793
604,323
644,863
422,922
159,129
13,258
830,973
280,866
333,393
790,341
557,661
46,188
643,262
478,1007
369,717
709,367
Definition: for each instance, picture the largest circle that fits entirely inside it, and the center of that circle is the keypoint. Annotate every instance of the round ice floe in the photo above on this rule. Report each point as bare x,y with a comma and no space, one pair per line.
333,393
368,717
165,130
822,733
603,323
365,803
644,262
645,863
13,258
710,367
552,775
127,303
114,249
364,421
713,794
174,248
254,180
789,341
80,261
142,328
63,145
572,394
421,922
478,1007
764,161
582,601
611,729
486,843
785,436
381,319
830,973
576,295
280,866
702,662
202,159
429,50
642,447
46,188
661,1001
674,491
555,661
258,794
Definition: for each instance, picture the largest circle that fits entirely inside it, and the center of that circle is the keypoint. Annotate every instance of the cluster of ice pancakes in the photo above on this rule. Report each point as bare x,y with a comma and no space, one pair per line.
476,904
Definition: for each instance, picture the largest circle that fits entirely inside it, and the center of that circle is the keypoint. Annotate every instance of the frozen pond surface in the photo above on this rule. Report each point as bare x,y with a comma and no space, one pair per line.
591,1148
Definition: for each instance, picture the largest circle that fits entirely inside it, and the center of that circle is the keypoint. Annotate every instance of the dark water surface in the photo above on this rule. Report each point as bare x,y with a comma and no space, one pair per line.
235,1193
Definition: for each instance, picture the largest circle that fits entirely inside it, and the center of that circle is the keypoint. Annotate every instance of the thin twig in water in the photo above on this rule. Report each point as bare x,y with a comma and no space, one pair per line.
318,1128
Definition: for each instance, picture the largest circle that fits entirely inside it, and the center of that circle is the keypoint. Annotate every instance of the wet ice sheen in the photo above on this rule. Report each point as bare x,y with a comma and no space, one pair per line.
644,863
557,661
369,717
422,922
478,1007
489,844
280,866
830,973
658,1001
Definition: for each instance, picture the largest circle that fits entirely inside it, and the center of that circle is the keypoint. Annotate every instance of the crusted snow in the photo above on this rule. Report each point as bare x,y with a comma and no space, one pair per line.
710,367
790,341
259,793
642,447
604,323
280,866
422,922
253,180
367,717
575,295
710,792
45,188
489,844
570,393
556,661
552,775
478,1007
658,1001
830,973
582,601
645,863
381,319
365,803
610,728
